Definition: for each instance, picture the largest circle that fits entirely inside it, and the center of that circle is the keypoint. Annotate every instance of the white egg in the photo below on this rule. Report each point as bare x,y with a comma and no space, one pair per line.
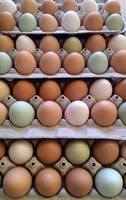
89,6
8,5
108,182
77,113
70,21
24,42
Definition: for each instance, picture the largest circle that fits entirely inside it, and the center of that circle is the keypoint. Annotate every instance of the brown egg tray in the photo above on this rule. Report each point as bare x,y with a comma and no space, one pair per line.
63,166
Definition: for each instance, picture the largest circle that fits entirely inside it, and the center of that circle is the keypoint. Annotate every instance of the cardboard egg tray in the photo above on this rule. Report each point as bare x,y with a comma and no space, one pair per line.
63,166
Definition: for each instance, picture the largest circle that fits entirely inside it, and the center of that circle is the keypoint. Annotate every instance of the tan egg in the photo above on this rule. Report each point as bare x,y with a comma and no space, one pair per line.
49,43
118,61
48,23
25,63
76,90
3,113
49,113
112,6
69,5
104,113
49,7
50,63
120,88
4,90
95,42
7,21
2,149
105,152
74,63
49,147
90,20
49,90
6,43
23,90
28,6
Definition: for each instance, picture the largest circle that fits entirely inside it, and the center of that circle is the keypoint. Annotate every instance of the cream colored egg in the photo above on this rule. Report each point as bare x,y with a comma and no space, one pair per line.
4,90
117,42
89,6
8,5
24,42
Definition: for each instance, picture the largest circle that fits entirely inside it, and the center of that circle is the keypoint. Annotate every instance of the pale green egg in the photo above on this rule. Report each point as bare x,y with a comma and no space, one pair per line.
5,63
114,22
27,23
122,112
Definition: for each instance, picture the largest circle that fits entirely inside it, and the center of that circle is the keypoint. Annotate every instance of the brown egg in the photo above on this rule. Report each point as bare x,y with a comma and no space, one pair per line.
49,113
74,63
2,149
50,63
28,6
76,90
90,20
23,90
6,43
48,23
120,88
123,150
112,6
78,182
95,43
105,152
17,182
69,5
118,61
4,90
104,113
49,151
7,21
49,7
25,63
49,43
3,113
49,90
48,182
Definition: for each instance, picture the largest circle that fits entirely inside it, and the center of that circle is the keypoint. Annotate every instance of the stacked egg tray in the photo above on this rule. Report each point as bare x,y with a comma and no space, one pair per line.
90,132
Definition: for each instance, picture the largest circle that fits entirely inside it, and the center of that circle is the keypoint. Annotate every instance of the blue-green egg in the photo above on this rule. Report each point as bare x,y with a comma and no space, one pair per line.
122,113
5,63
27,22
114,22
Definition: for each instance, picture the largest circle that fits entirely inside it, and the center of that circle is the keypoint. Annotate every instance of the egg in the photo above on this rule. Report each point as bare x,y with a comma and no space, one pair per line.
78,182
69,5
25,43
105,151
76,113
112,6
72,44
119,89
2,148
70,21
28,6
6,43
124,181
49,43
8,5
49,113
5,63
95,60
123,150
74,63
53,88
108,182
7,21
122,113
118,60
21,114
104,113
27,22
17,182
95,42
48,23
48,182
90,20
89,6
4,90
114,22
49,7
25,63
117,39
96,89
77,151
20,151
3,113
49,147
50,63
23,90
76,90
